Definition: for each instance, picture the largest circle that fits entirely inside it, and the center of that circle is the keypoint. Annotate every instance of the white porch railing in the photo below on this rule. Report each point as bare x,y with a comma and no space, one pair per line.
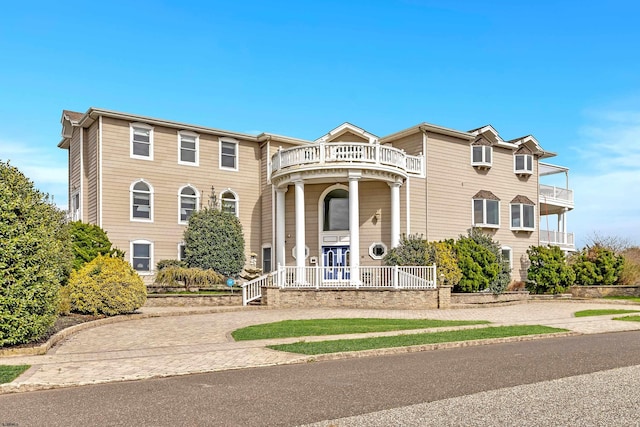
557,238
352,152
392,277
556,195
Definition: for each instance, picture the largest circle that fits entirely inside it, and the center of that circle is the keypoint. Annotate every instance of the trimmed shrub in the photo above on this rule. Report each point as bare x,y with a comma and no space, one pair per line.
412,250
214,240
188,277
480,261
164,263
444,256
88,241
549,271
34,258
106,285
597,265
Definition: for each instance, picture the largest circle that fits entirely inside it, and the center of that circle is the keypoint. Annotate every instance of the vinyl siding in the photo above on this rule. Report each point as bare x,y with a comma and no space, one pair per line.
348,137
75,166
91,185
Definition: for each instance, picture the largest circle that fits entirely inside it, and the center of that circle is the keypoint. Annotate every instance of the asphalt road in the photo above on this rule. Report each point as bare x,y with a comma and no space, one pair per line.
301,394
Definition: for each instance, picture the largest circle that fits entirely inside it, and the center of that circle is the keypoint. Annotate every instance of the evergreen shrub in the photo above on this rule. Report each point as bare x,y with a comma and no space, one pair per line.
190,278
597,265
548,271
89,241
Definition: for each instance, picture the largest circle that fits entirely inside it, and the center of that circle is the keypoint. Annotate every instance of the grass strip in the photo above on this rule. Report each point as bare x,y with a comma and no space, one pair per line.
626,298
320,327
602,312
9,373
628,318
322,347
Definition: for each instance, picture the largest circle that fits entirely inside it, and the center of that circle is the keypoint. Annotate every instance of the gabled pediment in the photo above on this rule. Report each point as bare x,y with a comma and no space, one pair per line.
529,142
347,132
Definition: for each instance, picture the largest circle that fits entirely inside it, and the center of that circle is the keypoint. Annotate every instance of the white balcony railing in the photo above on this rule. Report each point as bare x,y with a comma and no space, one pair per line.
557,238
556,195
347,152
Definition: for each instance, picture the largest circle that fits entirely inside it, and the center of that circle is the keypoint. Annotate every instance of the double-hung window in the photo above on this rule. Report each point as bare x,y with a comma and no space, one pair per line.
142,256
522,214
188,203
188,148
141,201
228,154
523,164
141,141
229,202
486,210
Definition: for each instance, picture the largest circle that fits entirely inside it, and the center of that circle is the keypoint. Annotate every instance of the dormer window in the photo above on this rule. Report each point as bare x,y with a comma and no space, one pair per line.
523,214
481,155
523,164
486,210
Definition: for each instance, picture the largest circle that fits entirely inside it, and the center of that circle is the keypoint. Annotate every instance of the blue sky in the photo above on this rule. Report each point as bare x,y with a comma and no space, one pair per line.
567,72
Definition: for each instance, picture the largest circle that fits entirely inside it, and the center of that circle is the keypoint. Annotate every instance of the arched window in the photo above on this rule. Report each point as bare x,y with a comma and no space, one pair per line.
141,201
188,202
336,210
229,202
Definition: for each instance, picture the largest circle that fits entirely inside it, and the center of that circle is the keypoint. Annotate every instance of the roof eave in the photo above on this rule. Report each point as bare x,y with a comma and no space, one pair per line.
427,127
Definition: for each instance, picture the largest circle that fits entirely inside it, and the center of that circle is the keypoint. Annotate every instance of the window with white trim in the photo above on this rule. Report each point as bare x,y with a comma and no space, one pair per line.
189,199
507,256
141,201
141,141
266,259
75,207
188,145
306,252
377,250
229,202
228,154
481,155
182,251
523,216
486,210
142,256
523,164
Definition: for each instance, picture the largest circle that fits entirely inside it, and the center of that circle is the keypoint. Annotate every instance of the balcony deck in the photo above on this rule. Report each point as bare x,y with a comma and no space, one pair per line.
556,196
556,238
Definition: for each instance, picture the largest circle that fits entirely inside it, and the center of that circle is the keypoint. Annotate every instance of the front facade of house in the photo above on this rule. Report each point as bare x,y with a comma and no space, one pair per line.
340,201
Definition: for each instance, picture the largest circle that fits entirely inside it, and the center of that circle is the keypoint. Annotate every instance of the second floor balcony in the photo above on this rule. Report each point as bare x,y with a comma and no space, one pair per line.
558,196
348,155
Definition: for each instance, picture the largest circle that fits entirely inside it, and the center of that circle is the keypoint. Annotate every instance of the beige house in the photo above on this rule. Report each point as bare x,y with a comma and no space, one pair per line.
340,201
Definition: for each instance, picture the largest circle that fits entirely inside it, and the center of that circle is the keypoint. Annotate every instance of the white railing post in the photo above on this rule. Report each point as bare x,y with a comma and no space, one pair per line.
322,152
395,277
318,276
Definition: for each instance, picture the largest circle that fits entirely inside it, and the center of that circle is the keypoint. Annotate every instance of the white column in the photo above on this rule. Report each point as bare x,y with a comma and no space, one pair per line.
354,225
395,213
564,226
281,257
300,226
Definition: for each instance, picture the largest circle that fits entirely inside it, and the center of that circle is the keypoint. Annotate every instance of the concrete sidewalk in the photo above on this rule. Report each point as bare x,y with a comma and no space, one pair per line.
170,341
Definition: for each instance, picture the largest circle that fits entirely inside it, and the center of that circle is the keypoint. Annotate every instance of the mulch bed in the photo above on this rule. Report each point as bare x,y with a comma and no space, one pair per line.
63,322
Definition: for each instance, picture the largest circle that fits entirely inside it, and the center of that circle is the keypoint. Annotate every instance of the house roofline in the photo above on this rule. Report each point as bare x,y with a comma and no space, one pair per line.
423,127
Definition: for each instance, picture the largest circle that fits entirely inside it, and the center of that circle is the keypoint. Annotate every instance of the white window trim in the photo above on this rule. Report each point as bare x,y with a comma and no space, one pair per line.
237,199
508,248
178,257
76,214
265,246
231,141
131,218
306,252
483,162
522,228
143,126
180,202
484,214
197,137
151,261
374,256
524,171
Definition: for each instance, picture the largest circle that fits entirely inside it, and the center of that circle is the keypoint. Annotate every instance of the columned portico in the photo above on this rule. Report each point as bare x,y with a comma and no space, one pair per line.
300,225
354,223
280,224
395,213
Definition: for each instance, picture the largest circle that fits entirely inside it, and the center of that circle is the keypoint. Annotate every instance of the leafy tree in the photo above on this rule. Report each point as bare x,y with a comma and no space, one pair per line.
597,265
548,271
412,250
34,258
88,241
214,240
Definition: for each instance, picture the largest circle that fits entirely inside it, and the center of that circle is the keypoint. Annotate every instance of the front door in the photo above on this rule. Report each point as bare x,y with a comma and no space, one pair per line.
335,260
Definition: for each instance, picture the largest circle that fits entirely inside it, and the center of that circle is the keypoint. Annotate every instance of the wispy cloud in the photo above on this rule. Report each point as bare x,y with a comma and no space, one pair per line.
607,182
45,167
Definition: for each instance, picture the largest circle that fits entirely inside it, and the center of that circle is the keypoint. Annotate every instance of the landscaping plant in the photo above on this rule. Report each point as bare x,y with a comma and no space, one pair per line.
549,271
34,258
597,265
106,285
88,241
412,250
480,261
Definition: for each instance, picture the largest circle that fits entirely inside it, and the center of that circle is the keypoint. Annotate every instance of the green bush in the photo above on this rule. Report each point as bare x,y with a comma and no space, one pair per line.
549,271
630,274
214,240
480,261
190,278
88,241
443,255
34,258
597,265
106,285
412,250
164,263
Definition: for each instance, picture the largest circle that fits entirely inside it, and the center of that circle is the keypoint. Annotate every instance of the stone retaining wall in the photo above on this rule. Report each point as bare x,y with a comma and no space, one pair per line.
352,298
196,300
461,299
605,291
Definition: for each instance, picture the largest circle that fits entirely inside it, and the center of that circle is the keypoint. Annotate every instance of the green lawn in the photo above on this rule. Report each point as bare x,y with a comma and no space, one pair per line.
627,298
317,327
322,347
602,312
628,318
10,373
